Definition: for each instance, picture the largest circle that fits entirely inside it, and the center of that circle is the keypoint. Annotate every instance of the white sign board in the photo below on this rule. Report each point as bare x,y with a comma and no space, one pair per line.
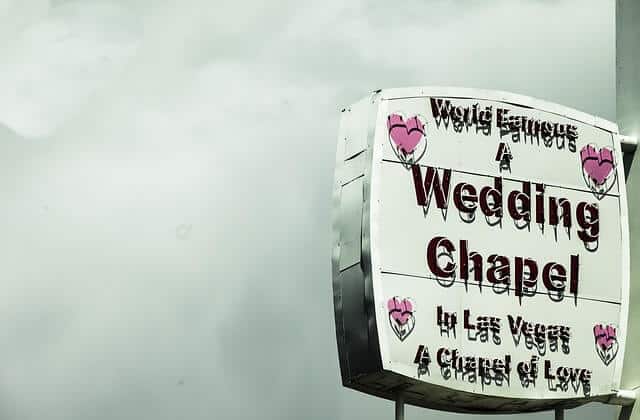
481,251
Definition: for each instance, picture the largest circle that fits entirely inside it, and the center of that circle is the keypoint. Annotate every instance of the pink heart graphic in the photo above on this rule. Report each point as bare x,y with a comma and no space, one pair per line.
401,316
400,310
605,336
606,342
598,165
406,135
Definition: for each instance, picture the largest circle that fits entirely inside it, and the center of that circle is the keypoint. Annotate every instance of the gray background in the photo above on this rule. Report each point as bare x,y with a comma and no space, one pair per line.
166,171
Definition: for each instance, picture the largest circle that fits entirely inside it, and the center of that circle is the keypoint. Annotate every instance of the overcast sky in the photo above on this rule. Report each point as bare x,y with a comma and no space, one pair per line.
165,183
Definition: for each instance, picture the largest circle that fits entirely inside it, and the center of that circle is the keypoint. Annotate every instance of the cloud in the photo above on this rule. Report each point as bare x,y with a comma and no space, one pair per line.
167,177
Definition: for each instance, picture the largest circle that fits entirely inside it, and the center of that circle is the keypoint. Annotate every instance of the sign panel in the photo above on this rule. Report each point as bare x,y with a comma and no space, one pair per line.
491,269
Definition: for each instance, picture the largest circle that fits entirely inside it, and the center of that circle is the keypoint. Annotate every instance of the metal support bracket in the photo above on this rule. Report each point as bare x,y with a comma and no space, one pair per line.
623,397
628,144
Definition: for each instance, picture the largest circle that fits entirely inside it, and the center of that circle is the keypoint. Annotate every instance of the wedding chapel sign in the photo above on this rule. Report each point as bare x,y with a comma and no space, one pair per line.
481,258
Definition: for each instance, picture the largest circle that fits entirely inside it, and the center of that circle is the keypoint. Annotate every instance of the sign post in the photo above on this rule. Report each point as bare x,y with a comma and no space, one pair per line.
481,252
399,407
